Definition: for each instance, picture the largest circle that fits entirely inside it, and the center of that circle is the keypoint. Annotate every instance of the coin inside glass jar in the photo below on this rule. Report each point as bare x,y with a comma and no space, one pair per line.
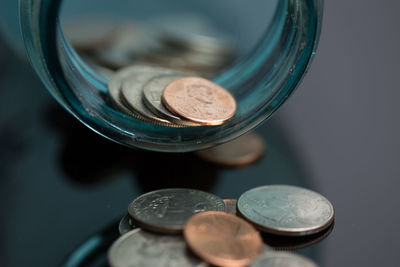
199,100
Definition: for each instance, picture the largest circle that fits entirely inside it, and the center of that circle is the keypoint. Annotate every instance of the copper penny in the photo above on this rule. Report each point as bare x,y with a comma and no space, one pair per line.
230,206
223,239
199,100
240,152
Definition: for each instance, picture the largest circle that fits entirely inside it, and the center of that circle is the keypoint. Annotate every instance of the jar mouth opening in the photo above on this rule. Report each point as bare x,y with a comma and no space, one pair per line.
260,81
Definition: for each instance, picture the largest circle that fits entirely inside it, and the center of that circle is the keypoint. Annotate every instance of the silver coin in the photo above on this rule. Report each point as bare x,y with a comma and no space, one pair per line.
286,210
125,225
167,210
140,73
114,85
282,259
152,93
139,248
132,94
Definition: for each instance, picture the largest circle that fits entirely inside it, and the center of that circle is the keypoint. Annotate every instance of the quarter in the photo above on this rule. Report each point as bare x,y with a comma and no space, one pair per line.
286,210
167,210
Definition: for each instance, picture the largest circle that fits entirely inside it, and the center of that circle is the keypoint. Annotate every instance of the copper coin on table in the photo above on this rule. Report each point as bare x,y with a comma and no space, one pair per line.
230,206
199,100
242,151
222,239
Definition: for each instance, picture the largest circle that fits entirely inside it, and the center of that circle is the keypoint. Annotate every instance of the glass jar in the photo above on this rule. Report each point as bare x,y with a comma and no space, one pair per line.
274,41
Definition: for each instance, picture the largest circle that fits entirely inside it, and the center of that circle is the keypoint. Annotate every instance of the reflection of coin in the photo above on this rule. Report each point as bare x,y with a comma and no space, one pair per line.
152,92
280,259
222,239
199,100
125,225
141,248
242,151
286,210
230,206
289,243
167,210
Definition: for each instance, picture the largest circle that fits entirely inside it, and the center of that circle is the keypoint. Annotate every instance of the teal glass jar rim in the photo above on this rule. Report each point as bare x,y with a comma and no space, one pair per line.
261,81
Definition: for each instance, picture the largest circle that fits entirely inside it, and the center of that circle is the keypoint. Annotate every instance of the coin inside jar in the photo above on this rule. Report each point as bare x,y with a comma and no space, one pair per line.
199,100
222,239
286,210
167,210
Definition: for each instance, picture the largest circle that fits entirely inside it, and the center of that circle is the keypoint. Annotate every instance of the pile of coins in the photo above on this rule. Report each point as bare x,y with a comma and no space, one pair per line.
186,227
164,97
184,43
148,67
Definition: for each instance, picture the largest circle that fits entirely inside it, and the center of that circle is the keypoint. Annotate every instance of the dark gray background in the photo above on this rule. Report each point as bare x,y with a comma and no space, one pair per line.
337,135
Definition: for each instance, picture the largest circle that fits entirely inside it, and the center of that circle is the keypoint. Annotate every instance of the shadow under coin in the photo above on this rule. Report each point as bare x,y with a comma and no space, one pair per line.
296,242
88,158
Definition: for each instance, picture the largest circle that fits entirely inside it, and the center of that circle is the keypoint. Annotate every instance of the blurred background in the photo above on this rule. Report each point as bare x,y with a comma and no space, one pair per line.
339,133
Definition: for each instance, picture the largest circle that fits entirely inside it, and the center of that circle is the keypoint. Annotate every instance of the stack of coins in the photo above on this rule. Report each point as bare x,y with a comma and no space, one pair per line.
185,227
165,97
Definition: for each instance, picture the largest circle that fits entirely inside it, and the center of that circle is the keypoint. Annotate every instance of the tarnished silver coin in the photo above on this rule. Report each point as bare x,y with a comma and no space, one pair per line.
167,210
282,259
125,225
286,210
139,248
115,84
152,93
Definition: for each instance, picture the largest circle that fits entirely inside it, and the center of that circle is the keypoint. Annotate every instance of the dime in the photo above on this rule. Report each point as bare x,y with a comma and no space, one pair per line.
240,152
199,100
140,248
125,225
167,210
230,206
152,93
222,239
286,210
282,259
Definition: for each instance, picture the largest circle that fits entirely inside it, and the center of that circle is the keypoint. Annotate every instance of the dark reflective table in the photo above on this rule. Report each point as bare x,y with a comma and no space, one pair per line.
63,188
